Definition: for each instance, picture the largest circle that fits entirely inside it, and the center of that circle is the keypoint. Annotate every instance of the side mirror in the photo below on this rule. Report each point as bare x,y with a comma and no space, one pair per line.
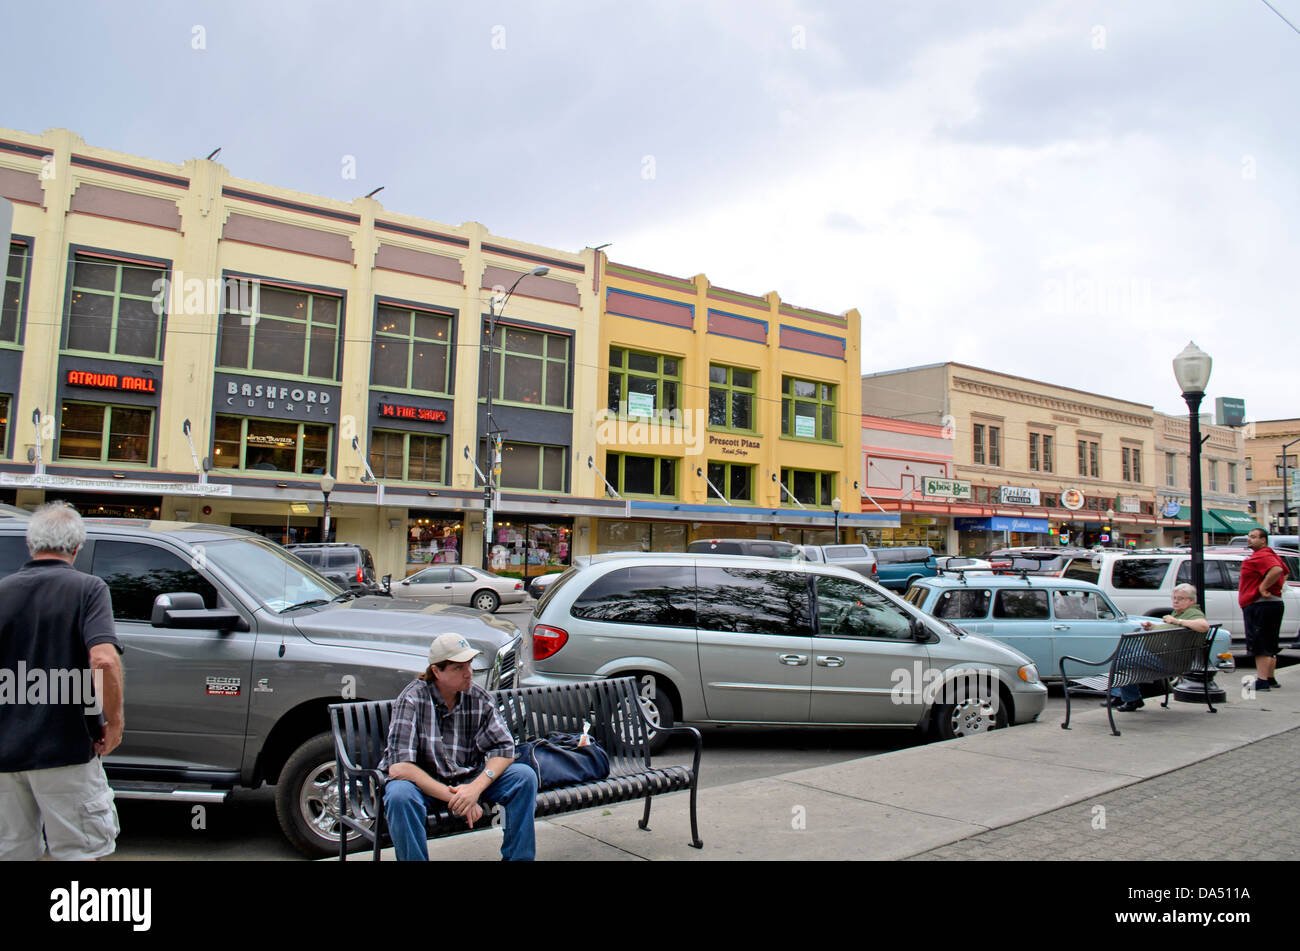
184,610
387,582
920,632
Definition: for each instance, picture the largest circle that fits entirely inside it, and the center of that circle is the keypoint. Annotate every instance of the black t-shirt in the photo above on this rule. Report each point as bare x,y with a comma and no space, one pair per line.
50,616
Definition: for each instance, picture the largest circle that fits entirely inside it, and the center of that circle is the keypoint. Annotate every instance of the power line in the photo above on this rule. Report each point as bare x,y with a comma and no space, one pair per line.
1279,16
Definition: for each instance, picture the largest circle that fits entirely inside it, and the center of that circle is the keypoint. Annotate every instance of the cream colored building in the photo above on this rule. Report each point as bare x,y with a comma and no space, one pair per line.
1223,476
1263,451
1042,463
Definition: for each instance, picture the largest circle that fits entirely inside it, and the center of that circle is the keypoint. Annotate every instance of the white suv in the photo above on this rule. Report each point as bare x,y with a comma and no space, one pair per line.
1143,583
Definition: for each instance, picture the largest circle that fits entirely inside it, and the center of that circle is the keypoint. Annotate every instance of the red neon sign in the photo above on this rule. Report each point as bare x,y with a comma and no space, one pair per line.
111,381
412,412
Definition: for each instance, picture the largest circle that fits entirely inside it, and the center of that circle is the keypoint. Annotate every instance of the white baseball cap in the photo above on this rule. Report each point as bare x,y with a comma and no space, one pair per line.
452,647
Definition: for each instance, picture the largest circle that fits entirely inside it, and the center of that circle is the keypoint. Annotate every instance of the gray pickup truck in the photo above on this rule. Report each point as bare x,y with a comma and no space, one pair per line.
233,649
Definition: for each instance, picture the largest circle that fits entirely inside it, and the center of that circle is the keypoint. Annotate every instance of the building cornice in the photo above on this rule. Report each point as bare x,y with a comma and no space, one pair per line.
994,391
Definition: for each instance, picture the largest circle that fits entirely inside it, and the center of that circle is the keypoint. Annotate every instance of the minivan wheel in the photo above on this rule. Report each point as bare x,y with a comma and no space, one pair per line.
658,707
307,800
969,716
486,601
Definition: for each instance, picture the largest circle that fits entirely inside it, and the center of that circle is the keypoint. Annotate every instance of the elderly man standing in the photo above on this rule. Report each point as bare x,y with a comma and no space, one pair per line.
448,743
1259,592
56,627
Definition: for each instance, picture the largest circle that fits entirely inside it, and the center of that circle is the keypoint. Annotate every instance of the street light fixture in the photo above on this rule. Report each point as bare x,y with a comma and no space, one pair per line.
493,434
326,487
836,505
1192,371
1110,525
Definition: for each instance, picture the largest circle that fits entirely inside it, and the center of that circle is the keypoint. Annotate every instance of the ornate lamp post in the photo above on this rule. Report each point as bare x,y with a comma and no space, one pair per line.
326,487
836,505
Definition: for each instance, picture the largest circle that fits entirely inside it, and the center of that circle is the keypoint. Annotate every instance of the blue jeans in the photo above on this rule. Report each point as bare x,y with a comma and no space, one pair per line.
1129,693
407,808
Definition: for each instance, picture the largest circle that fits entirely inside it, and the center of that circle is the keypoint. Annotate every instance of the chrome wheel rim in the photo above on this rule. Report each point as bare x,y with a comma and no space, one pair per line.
971,717
484,602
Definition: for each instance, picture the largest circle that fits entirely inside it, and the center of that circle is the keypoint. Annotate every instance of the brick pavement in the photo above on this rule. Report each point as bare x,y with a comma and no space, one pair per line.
1238,805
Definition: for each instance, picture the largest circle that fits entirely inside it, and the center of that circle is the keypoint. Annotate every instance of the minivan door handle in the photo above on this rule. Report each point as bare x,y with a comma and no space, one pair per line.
1060,627
794,660
829,660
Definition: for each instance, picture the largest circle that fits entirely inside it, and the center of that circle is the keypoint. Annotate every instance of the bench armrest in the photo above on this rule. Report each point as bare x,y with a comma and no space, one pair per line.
1088,663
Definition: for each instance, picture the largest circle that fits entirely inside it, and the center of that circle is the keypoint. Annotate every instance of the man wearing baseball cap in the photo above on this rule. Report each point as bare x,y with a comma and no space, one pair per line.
447,743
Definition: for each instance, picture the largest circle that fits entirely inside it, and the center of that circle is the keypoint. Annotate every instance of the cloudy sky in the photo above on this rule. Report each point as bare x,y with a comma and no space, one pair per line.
1068,191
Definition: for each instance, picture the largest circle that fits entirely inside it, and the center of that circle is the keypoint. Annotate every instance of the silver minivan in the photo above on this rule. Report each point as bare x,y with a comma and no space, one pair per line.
734,639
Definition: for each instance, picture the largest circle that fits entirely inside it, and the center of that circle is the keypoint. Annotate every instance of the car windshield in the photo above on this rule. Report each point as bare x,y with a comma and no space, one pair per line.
270,574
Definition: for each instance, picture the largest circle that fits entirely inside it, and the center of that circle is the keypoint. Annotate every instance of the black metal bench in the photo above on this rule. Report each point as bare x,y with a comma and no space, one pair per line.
618,724
1160,654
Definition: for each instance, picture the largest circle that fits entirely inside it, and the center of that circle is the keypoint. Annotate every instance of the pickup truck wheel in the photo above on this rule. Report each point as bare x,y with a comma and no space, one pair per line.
658,707
306,800
486,601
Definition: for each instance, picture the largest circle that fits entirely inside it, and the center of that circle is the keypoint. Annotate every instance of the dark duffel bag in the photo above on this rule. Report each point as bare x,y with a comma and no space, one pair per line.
558,760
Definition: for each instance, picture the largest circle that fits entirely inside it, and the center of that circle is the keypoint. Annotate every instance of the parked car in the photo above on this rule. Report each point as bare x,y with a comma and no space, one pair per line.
1274,541
759,547
348,566
1043,618
1051,562
233,651
736,639
952,564
854,557
898,567
1143,582
461,584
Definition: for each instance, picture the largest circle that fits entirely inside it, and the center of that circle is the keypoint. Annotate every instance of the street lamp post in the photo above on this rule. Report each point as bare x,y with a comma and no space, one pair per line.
326,487
1110,527
493,458
1285,523
836,505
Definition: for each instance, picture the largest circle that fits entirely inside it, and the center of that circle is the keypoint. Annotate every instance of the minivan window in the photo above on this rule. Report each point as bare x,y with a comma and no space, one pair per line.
1139,573
967,603
753,601
1026,605
848,609
136,574
655,595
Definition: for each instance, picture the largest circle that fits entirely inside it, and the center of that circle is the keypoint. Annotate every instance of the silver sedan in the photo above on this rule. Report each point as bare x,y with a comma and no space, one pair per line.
461,584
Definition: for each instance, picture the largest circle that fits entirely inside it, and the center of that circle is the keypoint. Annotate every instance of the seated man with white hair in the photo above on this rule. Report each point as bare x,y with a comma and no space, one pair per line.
1186,614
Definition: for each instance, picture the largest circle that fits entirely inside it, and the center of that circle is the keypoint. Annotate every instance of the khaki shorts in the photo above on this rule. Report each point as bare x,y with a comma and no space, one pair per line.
74,804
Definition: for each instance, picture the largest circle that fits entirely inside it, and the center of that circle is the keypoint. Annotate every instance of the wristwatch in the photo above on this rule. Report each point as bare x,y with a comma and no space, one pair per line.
489,774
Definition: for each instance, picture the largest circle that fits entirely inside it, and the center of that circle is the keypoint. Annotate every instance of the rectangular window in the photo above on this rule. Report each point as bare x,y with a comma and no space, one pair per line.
977,444
529,466
1171,469
1034,453
736,481
1040,452
1232,475
528,366
410,457
96,432
810,488
1212,469
4,422
1131,464
651,476
995,446
807,409
288,332
1089,459
111,308
15,286
731,397
1048,454
643,384
410,350
271,445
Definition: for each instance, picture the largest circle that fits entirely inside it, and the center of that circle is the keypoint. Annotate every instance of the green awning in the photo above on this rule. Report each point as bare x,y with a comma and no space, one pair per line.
1237,523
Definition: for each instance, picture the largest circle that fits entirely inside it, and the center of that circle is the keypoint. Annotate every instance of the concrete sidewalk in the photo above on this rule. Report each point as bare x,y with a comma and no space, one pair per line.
924,799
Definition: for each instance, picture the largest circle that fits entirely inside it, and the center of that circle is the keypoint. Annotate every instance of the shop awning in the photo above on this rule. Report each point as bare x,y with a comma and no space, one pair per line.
1236,523
1001,523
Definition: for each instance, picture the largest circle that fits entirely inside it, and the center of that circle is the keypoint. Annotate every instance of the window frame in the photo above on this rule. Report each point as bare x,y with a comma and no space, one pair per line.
616,474
410,339
23,282
406,435
541,465
298,448
499,365
6,408
788,400
727,468
1042,448
787,500
119,264
623,371
105,434
256,319
730,389
1131,464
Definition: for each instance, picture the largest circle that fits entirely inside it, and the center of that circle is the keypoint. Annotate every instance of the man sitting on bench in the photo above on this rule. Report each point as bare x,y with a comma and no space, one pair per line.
447,742
1186,614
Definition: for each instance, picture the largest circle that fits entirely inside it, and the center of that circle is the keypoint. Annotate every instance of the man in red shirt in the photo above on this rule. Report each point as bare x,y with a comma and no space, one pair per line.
1260,595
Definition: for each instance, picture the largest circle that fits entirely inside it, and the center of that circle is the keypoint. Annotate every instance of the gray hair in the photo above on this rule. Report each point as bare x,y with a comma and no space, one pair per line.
1186,590
55,528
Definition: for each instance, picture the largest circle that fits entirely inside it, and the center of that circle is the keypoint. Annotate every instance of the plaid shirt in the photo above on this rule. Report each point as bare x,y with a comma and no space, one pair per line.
463,740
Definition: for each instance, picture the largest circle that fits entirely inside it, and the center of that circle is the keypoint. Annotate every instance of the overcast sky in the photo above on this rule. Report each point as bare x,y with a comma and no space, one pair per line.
1067,191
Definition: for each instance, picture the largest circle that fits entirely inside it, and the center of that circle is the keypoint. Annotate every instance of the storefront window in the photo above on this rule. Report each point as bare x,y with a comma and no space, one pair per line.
432,540
620,535
242,442
651,476
100,433
523,549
